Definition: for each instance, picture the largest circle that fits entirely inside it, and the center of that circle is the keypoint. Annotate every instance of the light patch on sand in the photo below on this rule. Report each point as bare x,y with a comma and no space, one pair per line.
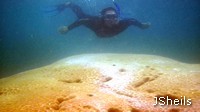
176,69
120,79
159,61
83,60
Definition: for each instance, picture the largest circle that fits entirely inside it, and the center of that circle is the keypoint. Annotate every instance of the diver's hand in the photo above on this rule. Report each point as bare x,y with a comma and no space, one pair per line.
146,25
63,29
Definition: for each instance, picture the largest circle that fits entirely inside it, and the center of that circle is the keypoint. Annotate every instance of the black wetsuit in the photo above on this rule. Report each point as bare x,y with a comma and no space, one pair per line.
97,24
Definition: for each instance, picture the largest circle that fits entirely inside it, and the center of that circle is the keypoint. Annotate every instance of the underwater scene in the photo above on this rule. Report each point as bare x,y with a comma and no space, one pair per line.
100,56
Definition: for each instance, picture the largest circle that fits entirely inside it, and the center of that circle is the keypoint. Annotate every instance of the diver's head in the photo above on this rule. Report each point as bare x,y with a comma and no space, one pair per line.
110,16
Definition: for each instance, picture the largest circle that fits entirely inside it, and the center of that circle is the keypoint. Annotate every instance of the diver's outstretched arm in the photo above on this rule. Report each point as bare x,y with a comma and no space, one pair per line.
137,23
65,29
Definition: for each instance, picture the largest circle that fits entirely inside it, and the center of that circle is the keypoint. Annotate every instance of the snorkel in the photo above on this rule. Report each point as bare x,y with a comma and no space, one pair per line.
117,7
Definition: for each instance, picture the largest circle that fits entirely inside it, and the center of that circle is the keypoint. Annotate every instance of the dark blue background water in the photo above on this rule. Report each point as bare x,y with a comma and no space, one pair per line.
29,37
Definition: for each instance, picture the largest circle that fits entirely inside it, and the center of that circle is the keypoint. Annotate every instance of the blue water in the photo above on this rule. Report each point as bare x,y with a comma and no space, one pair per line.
29,37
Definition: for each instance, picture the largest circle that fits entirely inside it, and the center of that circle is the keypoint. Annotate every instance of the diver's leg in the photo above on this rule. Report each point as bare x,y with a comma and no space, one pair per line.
77,10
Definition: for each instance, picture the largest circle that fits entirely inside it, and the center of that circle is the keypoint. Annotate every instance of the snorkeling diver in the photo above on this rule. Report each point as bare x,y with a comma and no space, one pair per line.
106,25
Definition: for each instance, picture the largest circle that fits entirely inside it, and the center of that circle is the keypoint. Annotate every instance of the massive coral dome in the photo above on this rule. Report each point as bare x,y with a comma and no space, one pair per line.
104,83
